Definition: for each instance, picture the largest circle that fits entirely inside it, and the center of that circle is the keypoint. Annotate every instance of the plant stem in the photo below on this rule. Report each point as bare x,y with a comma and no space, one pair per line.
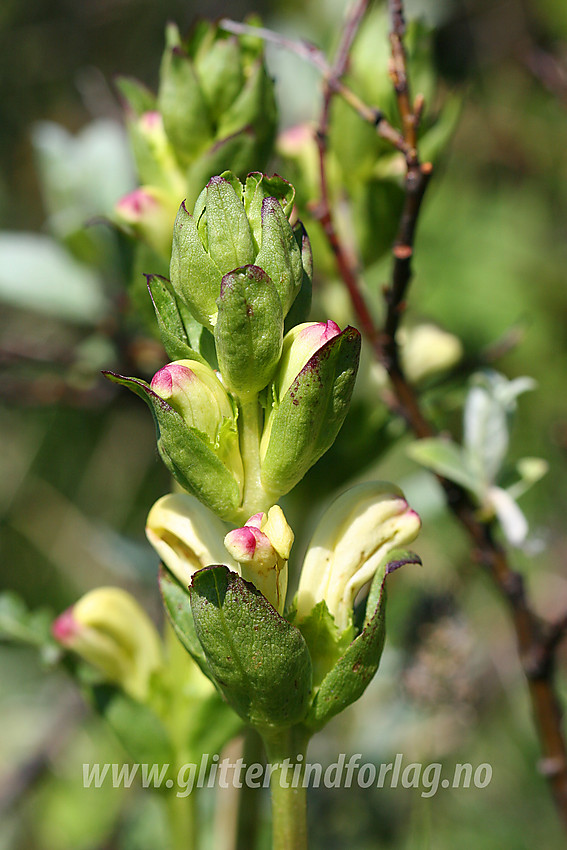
286,750
249,798
254,496
182,822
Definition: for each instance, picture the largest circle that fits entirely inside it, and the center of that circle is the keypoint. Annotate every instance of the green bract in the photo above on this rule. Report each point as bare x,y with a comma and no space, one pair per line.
249,330
215,109
259,661
240,438
234,225
310,397
206,464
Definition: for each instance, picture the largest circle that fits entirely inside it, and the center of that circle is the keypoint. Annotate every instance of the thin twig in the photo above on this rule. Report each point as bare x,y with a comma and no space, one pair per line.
314,55
536,649
346,264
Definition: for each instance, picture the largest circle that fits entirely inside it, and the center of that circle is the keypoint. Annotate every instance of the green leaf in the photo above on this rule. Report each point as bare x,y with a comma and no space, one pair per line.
353,672
187,453
259,187
237,152
447,459
195,278
301,307
219,69
486,433
178,607
490,404
249,330
280,254
213,724
307,419
260,661
230,242
256,106
19,624
137,727
137,96
181,102
326,644
172,328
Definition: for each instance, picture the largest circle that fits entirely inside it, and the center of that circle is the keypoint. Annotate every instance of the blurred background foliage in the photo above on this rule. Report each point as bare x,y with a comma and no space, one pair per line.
79,469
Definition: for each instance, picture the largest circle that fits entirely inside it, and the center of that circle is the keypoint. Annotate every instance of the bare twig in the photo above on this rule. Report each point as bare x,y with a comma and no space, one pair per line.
548,69
346,264
536,646
536,649
314,55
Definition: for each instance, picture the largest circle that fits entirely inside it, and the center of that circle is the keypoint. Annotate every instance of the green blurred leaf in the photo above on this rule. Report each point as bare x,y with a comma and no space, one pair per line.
38,274
137,727
447,459
18,623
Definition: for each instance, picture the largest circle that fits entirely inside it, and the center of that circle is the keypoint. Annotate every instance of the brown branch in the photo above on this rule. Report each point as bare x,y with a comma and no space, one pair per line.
536,648
548,69
311,53
346,264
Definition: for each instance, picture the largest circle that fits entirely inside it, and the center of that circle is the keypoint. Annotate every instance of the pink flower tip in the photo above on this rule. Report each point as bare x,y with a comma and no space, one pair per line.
255,520
320,333
241,542
151,119
164,381
135,205
65,627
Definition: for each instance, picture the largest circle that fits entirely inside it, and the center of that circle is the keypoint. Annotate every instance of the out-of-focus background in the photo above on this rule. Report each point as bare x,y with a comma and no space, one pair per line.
79,468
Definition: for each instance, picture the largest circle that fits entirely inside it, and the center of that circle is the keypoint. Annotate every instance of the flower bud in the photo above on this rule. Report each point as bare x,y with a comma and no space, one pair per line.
234,226
193,390
197,433
262,548
212,87
353,537
154,157
249,330
215,109
110,630
310,397
186,536
427,349
299,345
196,393
148,213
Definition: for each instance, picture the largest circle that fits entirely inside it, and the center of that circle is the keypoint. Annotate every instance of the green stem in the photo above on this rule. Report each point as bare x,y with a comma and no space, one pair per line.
249,422
286,751
249,803
182,822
